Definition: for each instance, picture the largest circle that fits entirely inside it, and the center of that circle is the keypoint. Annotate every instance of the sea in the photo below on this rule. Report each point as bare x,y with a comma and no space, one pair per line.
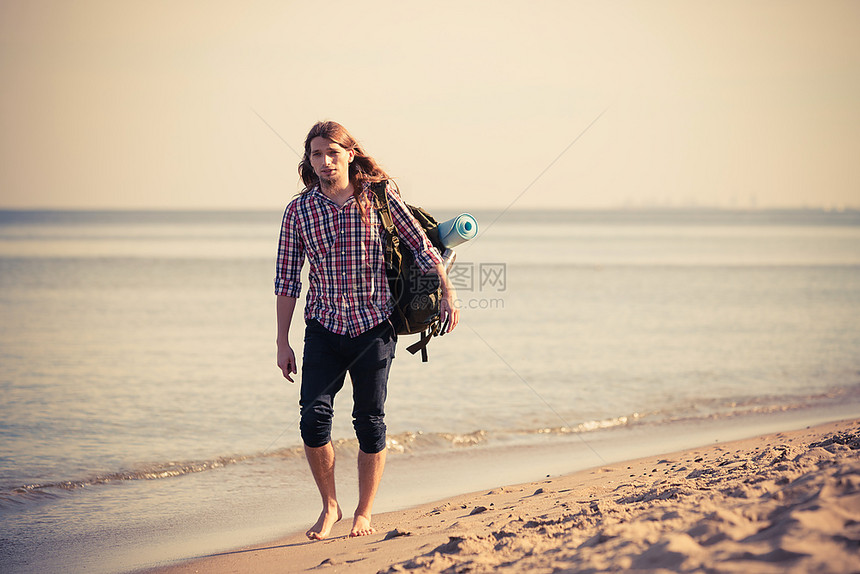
143,419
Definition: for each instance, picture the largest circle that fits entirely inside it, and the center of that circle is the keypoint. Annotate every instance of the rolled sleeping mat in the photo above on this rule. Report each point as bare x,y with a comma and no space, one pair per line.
458,230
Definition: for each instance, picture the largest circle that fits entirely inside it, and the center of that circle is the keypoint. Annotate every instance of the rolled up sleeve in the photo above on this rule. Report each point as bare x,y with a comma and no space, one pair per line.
291,256
410,231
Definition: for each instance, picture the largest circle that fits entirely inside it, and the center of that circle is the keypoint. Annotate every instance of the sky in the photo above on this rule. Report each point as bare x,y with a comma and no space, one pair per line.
534,105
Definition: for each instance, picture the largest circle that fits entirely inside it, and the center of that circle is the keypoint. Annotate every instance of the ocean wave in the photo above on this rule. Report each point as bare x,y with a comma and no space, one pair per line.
589,426
418,442
46,490
406,442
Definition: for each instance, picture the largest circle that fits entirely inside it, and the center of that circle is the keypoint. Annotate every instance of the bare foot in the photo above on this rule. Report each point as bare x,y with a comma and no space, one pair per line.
361,526
328,518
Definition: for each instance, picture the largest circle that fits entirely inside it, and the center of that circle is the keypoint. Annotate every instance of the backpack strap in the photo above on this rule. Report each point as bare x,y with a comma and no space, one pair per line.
421,345
392,254
393,259
380,192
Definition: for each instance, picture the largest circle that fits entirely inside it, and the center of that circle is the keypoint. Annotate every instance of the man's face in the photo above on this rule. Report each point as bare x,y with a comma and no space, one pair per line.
330,161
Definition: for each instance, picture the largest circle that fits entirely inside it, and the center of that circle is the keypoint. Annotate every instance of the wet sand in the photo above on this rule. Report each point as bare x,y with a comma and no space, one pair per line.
784,502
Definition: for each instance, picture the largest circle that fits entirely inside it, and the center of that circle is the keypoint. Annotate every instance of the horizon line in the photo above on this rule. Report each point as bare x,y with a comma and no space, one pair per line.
619,208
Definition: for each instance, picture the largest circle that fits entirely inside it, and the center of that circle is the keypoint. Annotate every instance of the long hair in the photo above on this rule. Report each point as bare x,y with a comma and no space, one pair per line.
363,168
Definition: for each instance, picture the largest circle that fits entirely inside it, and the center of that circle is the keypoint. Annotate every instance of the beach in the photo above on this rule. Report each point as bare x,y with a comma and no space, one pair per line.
780,502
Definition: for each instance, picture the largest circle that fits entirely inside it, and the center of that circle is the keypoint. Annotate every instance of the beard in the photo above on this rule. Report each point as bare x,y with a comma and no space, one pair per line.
328,183
333,182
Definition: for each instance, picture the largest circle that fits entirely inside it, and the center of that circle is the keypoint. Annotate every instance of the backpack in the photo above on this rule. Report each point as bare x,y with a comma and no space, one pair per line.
417,295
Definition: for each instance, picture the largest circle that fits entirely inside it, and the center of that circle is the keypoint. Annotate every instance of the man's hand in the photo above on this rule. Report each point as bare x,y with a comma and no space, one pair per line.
449,314
449,311
287,361
286,358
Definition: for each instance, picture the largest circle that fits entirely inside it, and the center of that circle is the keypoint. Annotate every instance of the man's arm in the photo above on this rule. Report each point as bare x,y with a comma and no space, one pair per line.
288,286
286,358
449,307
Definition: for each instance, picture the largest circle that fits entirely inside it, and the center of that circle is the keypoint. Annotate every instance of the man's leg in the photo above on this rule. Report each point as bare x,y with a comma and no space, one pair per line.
321,461
370,467
322,377
369,374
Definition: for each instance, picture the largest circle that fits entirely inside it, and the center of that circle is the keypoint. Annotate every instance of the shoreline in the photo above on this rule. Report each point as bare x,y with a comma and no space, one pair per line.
705,507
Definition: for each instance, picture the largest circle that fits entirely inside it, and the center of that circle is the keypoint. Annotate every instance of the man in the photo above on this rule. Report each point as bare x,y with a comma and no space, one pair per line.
334,225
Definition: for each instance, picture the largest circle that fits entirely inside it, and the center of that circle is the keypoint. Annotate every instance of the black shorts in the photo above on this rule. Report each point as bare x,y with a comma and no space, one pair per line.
327,358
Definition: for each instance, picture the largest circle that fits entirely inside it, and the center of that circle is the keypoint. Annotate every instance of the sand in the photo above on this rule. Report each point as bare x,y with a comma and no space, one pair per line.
786,502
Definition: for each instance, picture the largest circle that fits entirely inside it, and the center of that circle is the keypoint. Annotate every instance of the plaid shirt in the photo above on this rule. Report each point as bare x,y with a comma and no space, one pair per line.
348,291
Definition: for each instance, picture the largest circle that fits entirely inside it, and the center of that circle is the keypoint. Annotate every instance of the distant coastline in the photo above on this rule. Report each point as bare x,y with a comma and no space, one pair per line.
621,215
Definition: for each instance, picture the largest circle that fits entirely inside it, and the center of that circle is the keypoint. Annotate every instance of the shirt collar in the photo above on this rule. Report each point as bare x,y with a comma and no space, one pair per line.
317,190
